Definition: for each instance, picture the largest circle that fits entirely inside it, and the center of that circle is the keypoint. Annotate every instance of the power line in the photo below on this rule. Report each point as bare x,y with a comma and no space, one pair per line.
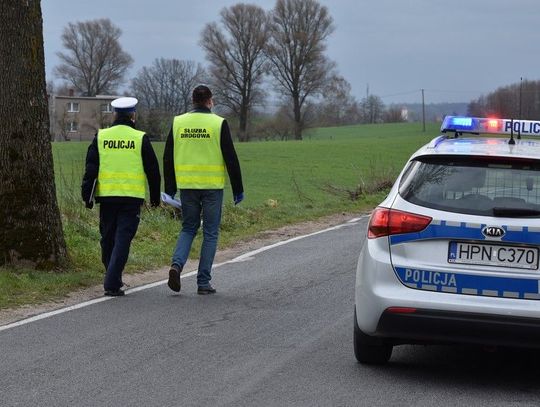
454,91
419,92
410,92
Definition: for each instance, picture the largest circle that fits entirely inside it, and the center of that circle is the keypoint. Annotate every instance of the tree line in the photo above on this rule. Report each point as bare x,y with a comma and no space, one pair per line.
249,51
516,101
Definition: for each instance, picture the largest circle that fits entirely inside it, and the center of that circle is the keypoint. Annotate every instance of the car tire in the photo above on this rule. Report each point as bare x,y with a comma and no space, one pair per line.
369,349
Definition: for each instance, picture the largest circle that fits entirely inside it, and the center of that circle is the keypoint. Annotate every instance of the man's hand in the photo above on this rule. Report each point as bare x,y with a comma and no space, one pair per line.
238,198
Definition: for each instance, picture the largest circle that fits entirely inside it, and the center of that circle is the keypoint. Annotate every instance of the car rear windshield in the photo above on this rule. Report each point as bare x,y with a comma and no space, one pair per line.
488,186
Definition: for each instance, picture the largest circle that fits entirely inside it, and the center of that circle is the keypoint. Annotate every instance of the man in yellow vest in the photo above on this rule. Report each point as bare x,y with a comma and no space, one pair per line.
198,151
118,163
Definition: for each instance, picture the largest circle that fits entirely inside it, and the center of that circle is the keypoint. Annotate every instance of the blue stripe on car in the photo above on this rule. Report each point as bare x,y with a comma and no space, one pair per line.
459,283
462,230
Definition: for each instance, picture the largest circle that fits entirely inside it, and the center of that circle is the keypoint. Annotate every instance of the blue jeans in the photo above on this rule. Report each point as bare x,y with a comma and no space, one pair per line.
197,202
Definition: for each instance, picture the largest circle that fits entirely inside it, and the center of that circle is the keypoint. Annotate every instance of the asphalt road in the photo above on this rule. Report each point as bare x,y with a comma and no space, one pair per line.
277,333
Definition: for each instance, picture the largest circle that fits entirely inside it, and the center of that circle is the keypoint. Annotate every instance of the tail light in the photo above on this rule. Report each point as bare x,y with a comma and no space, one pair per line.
385,222
401,310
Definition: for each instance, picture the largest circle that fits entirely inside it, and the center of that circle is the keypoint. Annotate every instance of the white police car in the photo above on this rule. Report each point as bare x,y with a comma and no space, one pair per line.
452,254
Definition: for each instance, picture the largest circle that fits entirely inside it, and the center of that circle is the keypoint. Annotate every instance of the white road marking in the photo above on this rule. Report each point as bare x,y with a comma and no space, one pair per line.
238,260
283,242
243,257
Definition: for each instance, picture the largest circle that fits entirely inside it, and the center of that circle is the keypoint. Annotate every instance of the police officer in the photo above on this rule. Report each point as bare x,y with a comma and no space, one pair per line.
117,163
198,150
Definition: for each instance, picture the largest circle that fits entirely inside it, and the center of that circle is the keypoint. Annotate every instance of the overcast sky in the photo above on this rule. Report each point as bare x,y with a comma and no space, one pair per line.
456,50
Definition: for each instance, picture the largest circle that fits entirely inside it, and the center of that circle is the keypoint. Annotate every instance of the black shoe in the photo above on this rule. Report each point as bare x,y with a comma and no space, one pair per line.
206,290
114,293
174,278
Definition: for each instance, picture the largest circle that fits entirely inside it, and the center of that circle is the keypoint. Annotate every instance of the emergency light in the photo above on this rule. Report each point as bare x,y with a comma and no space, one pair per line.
478,125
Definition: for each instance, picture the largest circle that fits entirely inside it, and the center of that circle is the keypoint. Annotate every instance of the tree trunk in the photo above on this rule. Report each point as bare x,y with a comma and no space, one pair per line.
242,125
297,118
30,227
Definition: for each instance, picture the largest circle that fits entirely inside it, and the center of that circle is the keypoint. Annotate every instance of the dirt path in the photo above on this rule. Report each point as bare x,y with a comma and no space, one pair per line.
133,280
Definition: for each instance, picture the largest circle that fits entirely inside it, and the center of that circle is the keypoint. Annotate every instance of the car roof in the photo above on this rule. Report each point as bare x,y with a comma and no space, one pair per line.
483,146
472,136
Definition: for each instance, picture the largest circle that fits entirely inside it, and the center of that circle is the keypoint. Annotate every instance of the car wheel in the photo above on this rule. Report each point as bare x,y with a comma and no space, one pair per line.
369,349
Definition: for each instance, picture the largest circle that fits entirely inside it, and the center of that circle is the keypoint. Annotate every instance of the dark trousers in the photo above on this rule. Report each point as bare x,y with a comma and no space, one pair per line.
118,223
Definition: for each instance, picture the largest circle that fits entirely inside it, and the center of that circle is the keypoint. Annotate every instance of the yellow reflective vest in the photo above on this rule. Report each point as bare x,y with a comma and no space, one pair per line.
121,170
198,160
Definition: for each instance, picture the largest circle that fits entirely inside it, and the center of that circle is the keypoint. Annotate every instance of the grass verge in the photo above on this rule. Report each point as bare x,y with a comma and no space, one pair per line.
346,169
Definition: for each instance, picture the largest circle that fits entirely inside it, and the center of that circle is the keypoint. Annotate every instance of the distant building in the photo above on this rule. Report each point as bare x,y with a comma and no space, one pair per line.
78,118
404,114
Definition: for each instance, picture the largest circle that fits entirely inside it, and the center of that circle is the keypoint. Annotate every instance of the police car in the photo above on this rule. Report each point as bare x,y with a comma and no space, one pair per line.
452,253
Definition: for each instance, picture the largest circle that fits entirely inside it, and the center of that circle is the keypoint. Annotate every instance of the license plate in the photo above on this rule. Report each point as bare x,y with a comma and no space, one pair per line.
493,255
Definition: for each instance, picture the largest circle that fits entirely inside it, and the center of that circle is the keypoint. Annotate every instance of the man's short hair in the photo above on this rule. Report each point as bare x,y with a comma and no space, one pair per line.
201,95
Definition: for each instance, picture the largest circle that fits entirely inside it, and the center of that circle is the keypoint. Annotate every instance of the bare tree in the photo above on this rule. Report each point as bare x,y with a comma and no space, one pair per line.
30,226
477,107
164,89
276,127
63,89
94,61
62,124
235,50
299,29
58,127
393,114
100,120
372,109
337,104
167,85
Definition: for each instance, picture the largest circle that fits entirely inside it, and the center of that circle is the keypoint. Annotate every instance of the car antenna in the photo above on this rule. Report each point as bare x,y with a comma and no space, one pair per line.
511,141
520,92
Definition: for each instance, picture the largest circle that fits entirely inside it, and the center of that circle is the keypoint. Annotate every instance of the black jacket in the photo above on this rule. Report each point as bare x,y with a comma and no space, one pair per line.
229,156
150,163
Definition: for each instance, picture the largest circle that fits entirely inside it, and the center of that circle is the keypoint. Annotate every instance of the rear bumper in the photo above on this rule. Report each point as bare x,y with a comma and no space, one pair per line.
435,326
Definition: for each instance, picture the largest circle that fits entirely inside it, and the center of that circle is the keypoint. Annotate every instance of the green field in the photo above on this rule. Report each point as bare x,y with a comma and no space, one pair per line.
284,181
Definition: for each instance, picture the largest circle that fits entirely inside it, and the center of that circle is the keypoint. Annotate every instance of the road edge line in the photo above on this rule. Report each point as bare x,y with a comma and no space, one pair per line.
237,259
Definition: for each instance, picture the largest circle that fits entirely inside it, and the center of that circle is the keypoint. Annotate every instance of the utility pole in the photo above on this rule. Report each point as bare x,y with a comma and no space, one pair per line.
423,113
520,91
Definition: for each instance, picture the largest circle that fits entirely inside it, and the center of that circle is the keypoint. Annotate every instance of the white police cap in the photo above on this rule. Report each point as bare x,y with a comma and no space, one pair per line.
124,104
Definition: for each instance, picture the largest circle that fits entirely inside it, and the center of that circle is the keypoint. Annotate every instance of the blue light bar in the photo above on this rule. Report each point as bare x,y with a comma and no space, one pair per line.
462,121
458,123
